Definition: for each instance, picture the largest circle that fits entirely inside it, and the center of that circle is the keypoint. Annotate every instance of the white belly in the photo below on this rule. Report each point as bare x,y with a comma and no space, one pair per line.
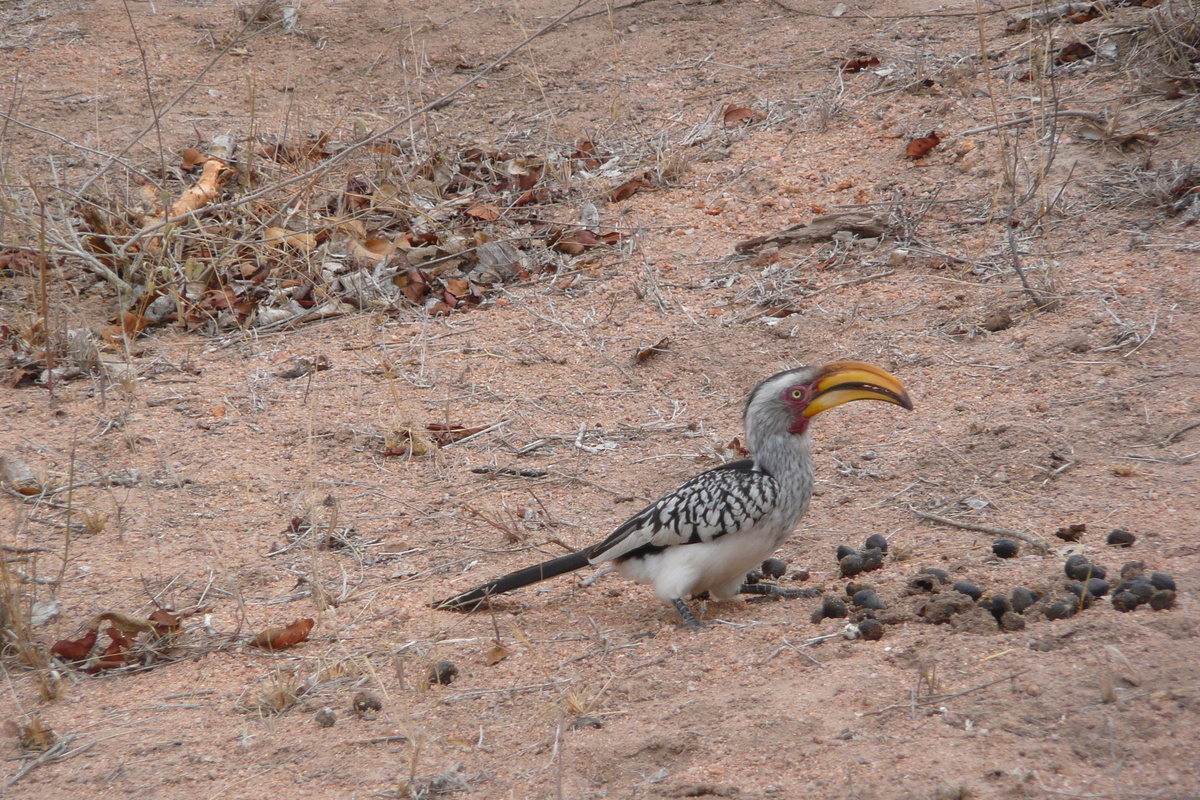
718,567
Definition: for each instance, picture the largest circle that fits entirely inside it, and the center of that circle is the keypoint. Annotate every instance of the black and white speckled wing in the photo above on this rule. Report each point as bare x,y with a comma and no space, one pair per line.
716,503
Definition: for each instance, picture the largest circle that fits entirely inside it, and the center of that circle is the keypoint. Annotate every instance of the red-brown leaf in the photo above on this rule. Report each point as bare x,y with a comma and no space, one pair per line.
859,64
75,649
738,115
628,189
918,148
280,638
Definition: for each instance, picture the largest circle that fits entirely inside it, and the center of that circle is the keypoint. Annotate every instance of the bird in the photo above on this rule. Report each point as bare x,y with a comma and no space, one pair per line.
708,534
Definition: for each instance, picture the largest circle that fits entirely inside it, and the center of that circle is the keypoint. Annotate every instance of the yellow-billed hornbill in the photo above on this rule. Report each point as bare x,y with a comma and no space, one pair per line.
711,531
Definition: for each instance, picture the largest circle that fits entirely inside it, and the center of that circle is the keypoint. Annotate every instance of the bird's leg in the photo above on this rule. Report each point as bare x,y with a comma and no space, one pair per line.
778,592
689,619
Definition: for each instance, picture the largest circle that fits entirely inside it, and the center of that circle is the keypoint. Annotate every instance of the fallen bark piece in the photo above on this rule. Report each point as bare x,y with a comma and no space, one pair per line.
821,228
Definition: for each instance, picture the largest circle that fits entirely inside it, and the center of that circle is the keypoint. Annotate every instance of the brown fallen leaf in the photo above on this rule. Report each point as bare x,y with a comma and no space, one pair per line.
75,649
497,654
627,189
653,349
165,622
281,638
736,447
918,148
443,434
1075,51
859,64
484,212
115,655
738,115
128,325
193,158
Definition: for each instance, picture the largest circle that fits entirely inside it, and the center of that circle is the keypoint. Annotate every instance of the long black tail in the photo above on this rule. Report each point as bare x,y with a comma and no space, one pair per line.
473,599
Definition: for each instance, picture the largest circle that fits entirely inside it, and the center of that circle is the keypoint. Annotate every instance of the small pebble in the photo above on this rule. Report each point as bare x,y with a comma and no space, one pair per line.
325,717
1162,599
871,629
868,599
877,541
851,565
1098,587
365,702
1060,610
774,568
854,587
443,672
1012,622
800,575
1125,601
1121,538
969,589
845,550
1161,580
1022,599
1005,548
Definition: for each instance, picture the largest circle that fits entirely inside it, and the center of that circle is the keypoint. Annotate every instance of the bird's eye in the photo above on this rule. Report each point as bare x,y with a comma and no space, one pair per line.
797,394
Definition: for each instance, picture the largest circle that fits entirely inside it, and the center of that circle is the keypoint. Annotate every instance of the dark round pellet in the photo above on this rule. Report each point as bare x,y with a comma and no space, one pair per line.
851,565
854,587
1078,568
868,599
845,550
1012,622
365,702
1098,587
325,717
1022,599
940,574
872,559
969,589
871,629
1142,589
1085,597
1162,599
1125,601
1161,580
833,607
998,605
877,541
1132,570
753,577
1121,538
774,568
443,672
1060,610
1005,548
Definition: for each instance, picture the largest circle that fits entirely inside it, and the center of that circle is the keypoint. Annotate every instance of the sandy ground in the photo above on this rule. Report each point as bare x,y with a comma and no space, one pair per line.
191,474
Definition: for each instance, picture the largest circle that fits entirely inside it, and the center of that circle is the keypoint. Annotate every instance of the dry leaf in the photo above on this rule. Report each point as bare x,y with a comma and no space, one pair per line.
165,622
918,148
192,158
443,434
859,64
497,654
628,189
738,115
75,649
1075,51
280,638
484,212
646,352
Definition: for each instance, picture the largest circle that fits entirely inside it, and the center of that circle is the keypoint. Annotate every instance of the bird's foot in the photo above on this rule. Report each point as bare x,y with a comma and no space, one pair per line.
689,619
778,592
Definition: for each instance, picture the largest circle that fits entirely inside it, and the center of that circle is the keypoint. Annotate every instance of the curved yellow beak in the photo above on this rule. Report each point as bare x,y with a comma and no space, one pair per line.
844,381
